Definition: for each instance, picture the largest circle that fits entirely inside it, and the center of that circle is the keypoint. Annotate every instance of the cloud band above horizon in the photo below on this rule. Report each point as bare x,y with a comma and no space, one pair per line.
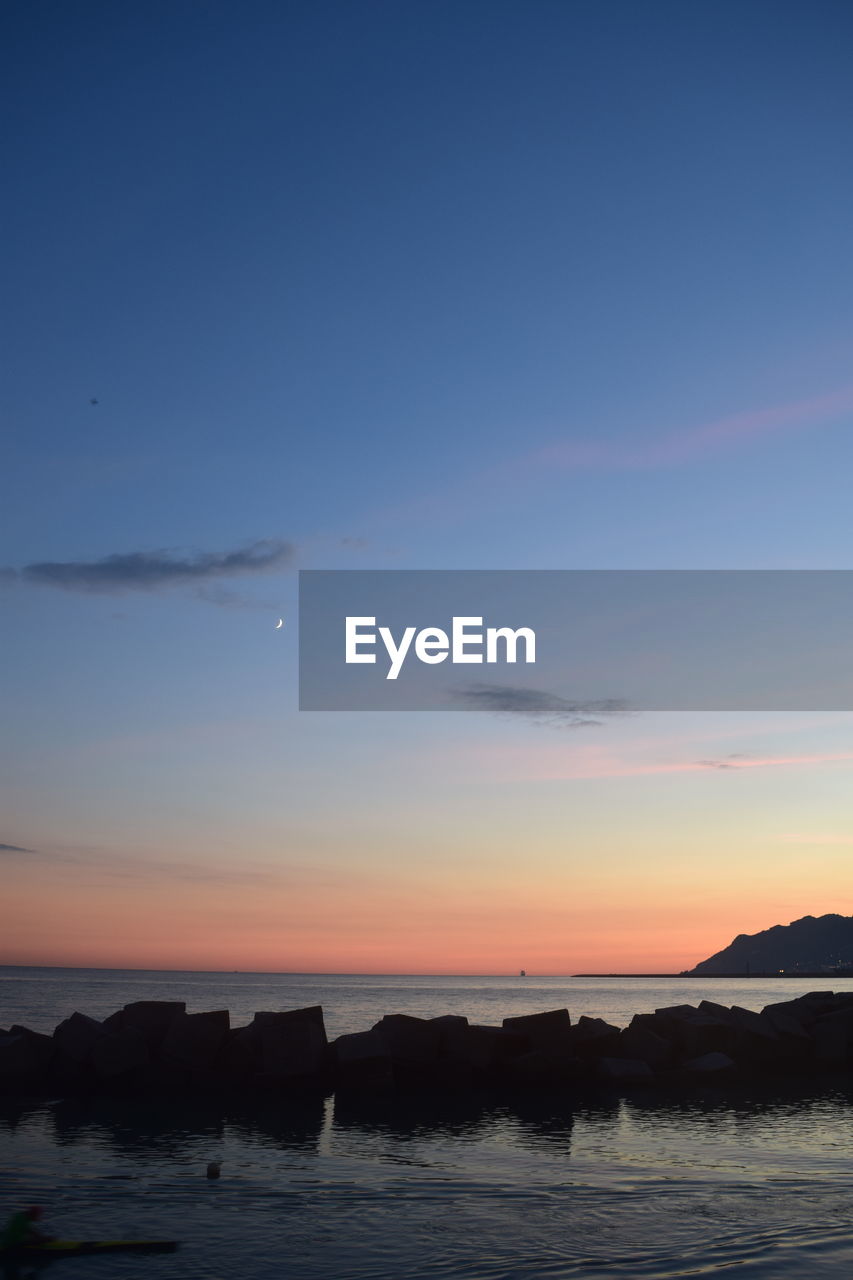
152,570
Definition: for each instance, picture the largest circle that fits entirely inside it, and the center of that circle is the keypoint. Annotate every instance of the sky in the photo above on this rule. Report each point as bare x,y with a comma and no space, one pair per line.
517,285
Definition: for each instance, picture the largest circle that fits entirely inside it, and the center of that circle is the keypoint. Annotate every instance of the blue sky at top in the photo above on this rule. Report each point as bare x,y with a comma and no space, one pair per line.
319,262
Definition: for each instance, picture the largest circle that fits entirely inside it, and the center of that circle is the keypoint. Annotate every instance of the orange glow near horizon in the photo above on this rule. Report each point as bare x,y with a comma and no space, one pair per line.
642,850
405,929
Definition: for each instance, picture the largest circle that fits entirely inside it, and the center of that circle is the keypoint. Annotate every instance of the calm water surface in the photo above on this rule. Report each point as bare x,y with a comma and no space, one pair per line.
40,998
741,1185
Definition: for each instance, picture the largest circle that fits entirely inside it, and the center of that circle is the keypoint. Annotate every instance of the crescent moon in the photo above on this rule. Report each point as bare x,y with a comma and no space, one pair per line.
279,625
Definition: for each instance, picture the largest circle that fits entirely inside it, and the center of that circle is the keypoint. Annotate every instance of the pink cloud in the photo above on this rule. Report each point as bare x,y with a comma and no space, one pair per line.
520,475
694,442
594,761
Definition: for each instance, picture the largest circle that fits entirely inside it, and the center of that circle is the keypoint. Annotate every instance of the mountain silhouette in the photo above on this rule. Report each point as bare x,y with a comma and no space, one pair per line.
811,945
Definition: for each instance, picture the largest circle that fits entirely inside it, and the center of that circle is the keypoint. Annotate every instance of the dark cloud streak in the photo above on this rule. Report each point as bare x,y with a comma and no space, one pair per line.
734,760
153,570
540,706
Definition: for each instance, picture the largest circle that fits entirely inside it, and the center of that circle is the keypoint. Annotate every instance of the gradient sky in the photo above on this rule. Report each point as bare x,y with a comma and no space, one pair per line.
408,285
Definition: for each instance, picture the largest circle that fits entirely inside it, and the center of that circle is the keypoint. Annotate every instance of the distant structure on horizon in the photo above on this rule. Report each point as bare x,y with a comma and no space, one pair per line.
812,945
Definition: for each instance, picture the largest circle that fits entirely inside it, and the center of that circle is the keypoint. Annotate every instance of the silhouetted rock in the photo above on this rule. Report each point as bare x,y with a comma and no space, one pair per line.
409,1039
709,1064
624,1070
716,1010
151,1018
118,1054
786,1024
756,1043
358,1046
594,1038
832,1036
542,1069
674,1014
155,1048
644,1045
24,1054
76,1037
703,1033
447,1021
241,1053
292,1043
362,1062
195,1039
549,1031
810,945
483,1049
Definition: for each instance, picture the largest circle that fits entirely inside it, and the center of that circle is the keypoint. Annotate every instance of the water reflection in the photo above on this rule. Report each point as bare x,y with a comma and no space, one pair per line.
149,1129
474,1187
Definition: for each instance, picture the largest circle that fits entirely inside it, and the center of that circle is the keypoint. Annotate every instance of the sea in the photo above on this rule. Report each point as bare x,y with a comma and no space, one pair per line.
716,1182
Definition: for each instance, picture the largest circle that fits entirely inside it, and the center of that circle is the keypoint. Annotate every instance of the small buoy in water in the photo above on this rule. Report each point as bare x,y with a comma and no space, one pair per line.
213,1169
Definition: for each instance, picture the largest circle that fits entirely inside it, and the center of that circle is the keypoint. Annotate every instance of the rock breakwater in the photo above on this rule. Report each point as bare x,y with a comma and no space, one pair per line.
156,1047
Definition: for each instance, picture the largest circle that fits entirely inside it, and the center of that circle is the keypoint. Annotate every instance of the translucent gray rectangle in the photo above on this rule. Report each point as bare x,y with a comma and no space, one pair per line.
645,639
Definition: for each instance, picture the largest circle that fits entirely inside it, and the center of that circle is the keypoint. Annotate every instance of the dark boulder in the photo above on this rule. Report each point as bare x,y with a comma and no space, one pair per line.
716,1010
541,1069
359,1046
119,1053
482,1049
832,1037
704,1033
662,1027
624,1070
241,1053
644,1045
194,1040
409,1039
24,1054
788,1027
690,1030
363,1063
756,1024
594,1038
756,1042
549,1032
292,1043
76,1037
710,1064
676,1013
805,1009
151,1019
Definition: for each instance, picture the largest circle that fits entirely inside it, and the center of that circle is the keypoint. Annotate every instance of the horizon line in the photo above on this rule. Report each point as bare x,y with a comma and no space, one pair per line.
348,973
336,973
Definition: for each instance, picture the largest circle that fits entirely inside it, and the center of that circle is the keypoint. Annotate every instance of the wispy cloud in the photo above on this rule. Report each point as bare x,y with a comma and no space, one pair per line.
734,760
739,761
93,865
582,450
596,757
153,570
14,848
538,705
690,443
